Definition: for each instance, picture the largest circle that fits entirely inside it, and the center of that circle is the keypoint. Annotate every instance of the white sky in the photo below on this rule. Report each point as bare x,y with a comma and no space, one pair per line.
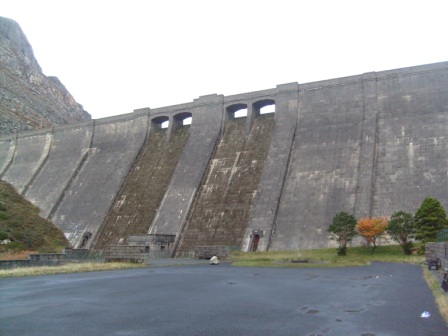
116,56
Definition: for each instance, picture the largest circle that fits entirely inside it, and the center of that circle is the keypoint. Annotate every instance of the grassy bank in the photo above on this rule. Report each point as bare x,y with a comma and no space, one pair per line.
356,256
68,268
21,223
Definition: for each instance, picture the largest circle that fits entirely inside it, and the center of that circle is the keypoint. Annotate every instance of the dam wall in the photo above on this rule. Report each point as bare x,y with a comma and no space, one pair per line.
266,202
412,143
30,153
368,144
87,199
7,149
323,168
204,133
135,207
221,211
69,147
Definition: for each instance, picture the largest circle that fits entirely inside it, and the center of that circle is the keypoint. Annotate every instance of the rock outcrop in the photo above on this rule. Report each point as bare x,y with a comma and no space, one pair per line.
30,100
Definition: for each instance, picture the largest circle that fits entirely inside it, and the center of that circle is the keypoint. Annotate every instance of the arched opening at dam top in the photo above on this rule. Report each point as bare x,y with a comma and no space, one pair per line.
180,119
183,118
265,106
239,110
160,122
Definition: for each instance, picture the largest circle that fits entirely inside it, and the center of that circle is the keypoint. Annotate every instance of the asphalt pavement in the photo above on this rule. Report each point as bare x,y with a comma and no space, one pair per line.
381,299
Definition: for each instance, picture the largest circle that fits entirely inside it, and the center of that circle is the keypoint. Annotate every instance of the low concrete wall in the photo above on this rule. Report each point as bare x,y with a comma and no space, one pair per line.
68,255
9,264
138,254
47,259
439,250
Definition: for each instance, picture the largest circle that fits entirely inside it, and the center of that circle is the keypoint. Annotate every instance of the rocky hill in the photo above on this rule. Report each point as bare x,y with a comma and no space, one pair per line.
28,99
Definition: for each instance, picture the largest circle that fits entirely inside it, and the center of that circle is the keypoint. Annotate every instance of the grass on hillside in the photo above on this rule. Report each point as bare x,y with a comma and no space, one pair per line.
20,220
67,268
324,257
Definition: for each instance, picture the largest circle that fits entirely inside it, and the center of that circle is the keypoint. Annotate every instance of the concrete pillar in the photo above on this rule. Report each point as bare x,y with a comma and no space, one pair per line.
145,111
204,133
265,204
369,129
173,124
251,115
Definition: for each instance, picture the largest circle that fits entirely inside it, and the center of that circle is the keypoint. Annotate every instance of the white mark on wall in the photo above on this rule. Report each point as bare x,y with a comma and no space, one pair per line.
429,175
411,155
234,167
119,203
212,168
292,105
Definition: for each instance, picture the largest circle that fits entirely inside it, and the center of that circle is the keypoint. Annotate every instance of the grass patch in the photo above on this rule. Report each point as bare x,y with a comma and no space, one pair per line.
67,268
439,294
21,223
356,256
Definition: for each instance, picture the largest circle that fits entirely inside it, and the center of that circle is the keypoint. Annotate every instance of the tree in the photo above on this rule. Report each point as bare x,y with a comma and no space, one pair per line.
371,229
401,227
343,227
430,218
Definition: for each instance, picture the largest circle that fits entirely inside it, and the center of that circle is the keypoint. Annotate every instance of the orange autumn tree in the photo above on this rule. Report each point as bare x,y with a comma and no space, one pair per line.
371,229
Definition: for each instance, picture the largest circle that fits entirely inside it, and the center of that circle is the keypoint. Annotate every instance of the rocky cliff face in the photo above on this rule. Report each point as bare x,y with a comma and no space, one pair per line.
28,99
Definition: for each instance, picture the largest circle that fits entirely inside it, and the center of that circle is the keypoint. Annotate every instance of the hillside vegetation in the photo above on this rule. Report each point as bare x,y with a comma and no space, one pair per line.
20,222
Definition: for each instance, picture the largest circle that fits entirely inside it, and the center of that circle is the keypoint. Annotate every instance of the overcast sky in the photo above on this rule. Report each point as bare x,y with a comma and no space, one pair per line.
117,56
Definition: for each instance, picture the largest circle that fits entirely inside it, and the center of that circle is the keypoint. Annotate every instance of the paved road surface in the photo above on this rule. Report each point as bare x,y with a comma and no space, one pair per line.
382,299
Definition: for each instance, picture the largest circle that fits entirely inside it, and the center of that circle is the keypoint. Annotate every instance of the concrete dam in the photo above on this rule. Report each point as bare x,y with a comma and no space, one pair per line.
368,144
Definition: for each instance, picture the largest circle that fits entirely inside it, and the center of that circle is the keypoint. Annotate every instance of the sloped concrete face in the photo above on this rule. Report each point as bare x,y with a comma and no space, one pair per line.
265,204
7,149
322,176
31,151
91,193
221,211
69,147
205,129
412,144
144,188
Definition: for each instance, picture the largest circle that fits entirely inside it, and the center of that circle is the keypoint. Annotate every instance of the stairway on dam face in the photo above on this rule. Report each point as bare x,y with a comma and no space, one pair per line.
221,210
144,188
